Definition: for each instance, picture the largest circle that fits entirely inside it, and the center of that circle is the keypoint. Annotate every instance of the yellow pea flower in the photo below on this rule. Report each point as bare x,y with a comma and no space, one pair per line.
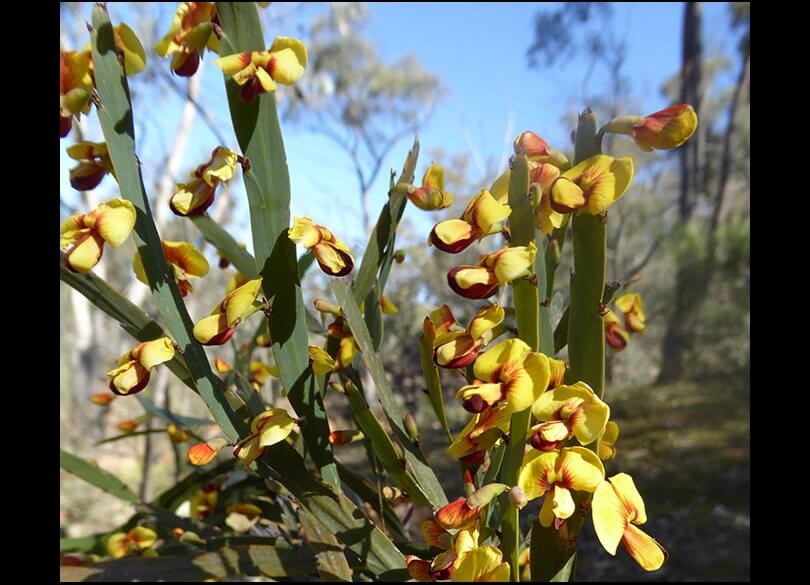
270,427
237,305
197,195
615,336
75,87
348,345
84,234
511,262
191,31
185,262
633,310
260,372
581,411
345,437
482,217
663,130
322,363
617,508
458,349
473,282
204,501
94,164
133,371
333,256
258,71
481,432
388,307
605,446
122,544
593,185
555,474
439,322
545,217
508,371
431,196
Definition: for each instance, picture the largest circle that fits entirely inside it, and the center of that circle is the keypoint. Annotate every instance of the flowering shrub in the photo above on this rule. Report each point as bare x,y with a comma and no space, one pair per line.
539,426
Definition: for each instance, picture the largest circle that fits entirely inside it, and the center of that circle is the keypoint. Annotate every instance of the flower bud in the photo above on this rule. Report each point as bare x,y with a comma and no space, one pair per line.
204,453
346,437
486,494
127,426
518,498
410,426
102,398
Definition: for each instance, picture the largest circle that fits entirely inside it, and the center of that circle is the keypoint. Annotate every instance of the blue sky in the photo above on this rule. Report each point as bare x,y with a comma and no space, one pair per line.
478,51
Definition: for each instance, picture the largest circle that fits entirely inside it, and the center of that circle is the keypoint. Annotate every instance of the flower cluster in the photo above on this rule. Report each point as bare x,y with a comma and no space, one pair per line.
572,434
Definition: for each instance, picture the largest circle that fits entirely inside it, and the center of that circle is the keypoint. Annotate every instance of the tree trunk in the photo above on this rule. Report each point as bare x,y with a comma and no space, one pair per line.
677,338
695,275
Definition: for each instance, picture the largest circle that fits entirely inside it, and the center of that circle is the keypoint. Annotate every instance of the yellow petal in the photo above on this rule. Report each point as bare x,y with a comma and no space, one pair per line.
304,232
484,563
607,441
627,492
85,253
434,177
233,63
117,545
297,47
130,378
192,198
185,255
566,196
334,260
465,541
248,450
142,537
275,428
583,468
285,67
588,420
452,348
528,382
476,397
485,212
265,80
322,362
453,235
213,330
535,473
473,282
609,516
487,319
113,220
500,187
563,502
492,362
221,167
644,549
239,301
666,129
152,353
514,262
130,44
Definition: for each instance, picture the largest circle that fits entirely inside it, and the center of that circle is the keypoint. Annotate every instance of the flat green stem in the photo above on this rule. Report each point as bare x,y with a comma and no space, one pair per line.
525,294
